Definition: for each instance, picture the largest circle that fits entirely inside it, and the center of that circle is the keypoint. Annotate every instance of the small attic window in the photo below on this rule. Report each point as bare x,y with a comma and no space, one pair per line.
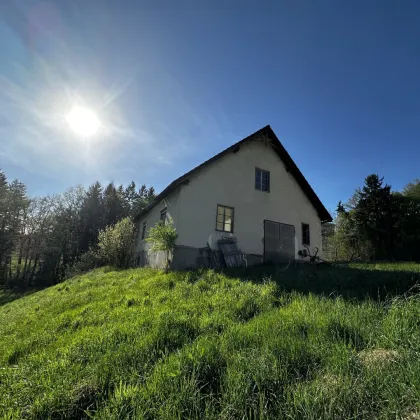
262,180
163,214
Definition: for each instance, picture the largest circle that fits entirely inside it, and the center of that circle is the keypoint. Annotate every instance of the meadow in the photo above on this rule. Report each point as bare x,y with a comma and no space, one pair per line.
301,342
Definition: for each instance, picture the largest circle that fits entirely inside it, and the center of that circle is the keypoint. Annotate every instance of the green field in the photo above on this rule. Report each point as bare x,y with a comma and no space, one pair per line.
303,343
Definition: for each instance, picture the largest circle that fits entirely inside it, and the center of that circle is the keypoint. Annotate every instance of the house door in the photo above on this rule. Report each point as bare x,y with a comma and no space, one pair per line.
279,242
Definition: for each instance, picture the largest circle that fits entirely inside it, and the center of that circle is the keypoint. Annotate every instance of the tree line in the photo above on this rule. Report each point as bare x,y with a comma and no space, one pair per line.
376,224
43,238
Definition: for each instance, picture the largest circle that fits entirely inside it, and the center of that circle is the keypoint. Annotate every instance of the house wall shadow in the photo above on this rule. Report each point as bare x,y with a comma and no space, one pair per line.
349,282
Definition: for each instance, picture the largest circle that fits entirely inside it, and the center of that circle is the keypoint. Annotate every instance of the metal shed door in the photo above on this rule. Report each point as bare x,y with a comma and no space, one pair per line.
279,242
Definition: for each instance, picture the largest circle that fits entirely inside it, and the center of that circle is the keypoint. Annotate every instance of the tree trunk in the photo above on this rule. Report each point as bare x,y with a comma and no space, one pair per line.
26,259
31,277
10,268
19,263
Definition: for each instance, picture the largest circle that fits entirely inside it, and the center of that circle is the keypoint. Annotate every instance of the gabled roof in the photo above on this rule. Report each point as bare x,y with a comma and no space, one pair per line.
267,133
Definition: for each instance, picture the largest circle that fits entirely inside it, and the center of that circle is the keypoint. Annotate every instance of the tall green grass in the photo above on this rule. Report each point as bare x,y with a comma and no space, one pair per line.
143,344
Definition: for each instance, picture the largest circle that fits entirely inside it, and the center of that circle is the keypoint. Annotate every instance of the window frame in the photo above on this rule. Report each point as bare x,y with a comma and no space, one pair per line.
143,230
164,213
308,242
224,218
262,171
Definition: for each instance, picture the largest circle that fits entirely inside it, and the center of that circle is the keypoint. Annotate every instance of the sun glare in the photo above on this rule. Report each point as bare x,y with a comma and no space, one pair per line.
83,121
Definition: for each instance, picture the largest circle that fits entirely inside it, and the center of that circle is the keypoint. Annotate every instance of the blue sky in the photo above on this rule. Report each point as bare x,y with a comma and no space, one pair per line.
339,82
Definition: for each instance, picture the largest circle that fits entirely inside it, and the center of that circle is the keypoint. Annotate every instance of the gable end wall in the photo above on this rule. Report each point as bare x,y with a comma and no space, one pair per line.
230,181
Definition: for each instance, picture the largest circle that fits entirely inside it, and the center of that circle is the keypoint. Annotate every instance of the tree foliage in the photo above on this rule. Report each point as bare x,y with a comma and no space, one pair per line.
116,243
377,224
43,238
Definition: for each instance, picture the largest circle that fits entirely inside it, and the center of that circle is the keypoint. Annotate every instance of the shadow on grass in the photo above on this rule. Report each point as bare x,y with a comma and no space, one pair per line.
7,296
361,282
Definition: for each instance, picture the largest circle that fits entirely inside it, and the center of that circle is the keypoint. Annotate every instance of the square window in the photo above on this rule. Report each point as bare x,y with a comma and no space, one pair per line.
224,219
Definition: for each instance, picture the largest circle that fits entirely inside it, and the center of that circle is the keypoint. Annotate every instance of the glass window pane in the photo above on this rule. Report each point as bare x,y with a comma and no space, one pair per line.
258,179
305,234
224,218
265,181
163,217
262,180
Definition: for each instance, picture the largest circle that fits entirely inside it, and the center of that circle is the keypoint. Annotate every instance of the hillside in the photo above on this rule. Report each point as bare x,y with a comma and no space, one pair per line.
268,344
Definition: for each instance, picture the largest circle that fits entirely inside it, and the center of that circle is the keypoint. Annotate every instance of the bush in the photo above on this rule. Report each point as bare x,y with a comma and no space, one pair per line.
162,237
116,243
88,261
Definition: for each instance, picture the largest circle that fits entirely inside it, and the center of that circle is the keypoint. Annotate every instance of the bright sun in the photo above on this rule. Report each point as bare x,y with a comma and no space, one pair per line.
83,121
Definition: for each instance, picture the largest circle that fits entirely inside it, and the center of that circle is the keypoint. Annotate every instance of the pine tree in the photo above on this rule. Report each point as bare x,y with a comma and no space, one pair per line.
131,196
92,219
114,204
340,208
375,217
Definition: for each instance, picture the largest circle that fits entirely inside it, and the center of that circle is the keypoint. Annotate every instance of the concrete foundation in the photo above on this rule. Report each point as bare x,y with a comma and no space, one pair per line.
185,257
254,259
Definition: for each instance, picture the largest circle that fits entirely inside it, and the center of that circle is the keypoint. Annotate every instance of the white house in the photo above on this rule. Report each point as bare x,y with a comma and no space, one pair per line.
253,191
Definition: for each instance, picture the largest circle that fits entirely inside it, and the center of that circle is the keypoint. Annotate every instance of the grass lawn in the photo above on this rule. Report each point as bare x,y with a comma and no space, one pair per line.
304,343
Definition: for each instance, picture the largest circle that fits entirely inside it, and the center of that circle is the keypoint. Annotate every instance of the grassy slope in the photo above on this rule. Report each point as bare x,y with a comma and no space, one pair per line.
142,344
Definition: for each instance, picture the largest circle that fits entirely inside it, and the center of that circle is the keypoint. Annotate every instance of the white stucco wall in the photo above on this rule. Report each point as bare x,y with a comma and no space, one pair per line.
230,181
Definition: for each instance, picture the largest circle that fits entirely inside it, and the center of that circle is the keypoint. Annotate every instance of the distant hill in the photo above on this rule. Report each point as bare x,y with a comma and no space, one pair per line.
142,344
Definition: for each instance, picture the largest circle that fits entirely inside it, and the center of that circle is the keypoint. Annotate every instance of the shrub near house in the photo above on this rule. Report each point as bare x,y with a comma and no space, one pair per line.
162,237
